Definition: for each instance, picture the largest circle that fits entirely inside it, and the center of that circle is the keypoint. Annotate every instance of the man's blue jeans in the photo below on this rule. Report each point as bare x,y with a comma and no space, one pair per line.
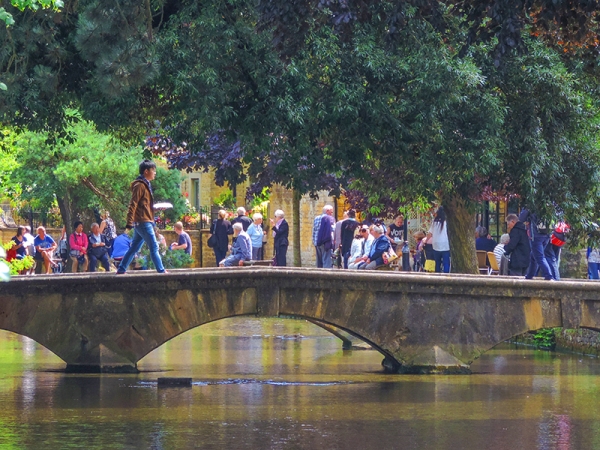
327,262
552,253
537,260
143,232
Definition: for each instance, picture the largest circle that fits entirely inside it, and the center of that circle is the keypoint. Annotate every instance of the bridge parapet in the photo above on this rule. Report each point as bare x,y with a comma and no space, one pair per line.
419,322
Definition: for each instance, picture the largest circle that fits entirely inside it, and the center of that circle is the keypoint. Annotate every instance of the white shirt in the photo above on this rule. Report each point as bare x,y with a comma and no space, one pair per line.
28,238
355,250
499,253
440,237
368,244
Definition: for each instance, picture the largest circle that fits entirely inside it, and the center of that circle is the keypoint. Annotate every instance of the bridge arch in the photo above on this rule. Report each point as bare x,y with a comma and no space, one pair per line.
324,326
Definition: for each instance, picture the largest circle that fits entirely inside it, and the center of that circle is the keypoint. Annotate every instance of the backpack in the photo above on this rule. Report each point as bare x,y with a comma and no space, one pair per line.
558,235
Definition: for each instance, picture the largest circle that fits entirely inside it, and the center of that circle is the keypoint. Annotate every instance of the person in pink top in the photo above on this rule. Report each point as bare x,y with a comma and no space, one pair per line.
78,242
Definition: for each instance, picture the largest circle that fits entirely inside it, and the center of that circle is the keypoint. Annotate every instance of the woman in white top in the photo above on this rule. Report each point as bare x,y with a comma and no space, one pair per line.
441,245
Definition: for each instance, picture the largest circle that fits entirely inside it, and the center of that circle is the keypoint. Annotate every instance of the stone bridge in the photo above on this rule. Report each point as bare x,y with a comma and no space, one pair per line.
420,323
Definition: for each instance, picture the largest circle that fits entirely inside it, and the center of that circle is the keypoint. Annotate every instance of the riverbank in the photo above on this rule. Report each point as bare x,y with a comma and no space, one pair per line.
581,341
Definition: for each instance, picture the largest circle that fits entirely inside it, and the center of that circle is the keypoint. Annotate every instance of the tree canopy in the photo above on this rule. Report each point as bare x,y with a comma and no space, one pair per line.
405,101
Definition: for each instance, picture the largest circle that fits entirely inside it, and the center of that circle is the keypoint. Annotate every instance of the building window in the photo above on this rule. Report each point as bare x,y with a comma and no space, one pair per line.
195,200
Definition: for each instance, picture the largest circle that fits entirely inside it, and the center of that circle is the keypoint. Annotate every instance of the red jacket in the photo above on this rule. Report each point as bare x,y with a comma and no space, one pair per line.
78,242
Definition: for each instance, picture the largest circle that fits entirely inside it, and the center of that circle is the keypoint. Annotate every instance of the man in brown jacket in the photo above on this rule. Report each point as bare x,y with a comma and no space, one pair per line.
140,216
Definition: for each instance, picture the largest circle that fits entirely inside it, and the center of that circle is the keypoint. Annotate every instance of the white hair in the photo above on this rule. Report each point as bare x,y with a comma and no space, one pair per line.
279,213
256,216
241,211
504,239
327,208
378,229
238,226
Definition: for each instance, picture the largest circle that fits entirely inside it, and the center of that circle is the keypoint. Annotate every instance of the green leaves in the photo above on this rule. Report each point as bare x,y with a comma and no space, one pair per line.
6,17
22,5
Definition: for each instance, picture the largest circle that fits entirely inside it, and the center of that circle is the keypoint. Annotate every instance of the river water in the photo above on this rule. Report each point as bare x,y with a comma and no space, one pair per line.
286,384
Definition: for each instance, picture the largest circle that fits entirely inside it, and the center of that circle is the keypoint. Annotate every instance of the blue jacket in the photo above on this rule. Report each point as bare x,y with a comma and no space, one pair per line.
324,237
241,248
379,247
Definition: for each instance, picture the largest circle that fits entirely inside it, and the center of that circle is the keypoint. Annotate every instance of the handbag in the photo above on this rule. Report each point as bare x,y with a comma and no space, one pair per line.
212,241
429,265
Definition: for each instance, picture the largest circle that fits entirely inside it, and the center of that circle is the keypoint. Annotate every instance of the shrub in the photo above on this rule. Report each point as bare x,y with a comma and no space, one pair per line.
172,259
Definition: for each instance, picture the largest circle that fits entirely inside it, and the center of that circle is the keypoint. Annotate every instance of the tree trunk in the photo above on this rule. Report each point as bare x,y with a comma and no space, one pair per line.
66,211
461,234
296,228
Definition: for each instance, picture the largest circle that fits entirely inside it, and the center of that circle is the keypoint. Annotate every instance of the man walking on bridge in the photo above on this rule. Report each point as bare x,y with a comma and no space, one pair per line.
140,216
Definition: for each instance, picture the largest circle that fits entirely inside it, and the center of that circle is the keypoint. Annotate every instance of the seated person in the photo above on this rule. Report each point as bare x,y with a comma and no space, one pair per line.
20,246
78,242
120,246
365,247
241,250
183,241
356,250
98,250
499,249
380,245
483,242
44,249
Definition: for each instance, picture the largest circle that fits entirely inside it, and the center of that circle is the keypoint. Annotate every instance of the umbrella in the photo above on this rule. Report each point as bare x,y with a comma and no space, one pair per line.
162,205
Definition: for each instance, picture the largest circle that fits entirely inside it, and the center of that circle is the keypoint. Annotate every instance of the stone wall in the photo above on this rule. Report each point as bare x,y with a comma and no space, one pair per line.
578,341
573,263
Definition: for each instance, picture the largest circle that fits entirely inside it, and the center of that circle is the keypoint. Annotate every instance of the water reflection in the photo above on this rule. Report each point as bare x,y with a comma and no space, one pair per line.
287,384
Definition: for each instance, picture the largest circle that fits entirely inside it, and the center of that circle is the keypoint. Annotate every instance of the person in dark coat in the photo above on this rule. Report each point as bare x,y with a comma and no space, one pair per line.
222,230
380,245
349,227
483,242
518,247
539,239
281,231
242,218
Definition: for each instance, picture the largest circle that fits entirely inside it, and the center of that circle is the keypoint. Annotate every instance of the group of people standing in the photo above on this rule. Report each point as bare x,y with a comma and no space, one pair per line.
249,238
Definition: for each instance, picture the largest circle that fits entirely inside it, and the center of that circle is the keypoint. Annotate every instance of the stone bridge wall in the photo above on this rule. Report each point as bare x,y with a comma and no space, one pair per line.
419,322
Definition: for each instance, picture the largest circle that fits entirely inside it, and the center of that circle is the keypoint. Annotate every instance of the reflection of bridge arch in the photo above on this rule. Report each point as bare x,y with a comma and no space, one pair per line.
421,323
